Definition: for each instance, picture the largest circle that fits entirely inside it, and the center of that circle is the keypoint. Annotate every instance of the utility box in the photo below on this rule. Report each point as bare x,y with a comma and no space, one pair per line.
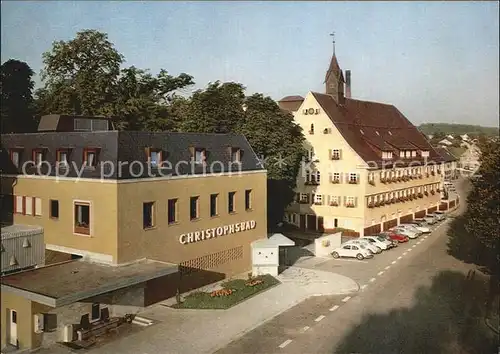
266,254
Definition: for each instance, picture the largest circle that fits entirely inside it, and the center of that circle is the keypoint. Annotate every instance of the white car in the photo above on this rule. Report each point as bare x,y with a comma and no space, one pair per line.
415,228
430,219
378,241
421,226
366,243
355,251
411,234
440,215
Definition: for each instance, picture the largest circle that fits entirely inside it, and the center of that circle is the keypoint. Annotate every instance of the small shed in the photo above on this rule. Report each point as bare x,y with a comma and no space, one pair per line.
267,256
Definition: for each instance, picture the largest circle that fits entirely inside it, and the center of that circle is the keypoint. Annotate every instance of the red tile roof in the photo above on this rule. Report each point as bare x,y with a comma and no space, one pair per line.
291,98
372,127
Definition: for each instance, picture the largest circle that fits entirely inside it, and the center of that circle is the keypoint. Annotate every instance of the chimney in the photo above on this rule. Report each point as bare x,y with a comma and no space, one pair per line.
348,83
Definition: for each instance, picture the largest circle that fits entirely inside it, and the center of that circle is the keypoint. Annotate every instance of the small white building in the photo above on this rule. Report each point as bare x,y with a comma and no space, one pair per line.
450,137
464,137
445,142
266,254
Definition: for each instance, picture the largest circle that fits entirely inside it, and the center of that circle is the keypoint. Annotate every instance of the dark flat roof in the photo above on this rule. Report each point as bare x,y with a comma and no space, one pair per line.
65,283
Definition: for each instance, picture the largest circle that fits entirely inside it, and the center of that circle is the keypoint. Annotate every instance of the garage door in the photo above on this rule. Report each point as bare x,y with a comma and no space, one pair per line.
420,214
390,223
443,207
406,218
311,222
431,210
372,230
452,204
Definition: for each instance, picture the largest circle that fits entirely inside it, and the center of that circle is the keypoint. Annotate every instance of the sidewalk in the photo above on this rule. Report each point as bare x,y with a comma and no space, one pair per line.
206,331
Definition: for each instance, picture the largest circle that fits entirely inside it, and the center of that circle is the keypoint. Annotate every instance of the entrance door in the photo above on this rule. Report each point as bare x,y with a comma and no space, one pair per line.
13,327
321,227
302,221
311,222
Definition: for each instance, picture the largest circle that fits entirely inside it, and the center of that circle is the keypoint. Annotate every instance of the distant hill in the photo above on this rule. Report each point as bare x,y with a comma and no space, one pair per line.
457,129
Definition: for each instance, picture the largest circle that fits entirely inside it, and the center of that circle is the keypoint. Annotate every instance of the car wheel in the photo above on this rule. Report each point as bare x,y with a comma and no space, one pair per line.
379,250
360,256
335,255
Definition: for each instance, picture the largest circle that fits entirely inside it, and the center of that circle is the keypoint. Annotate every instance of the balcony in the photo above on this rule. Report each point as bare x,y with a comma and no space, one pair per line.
335,181
371,205
335,157
353,182
334,204
311,183
350,205
372,182
318,203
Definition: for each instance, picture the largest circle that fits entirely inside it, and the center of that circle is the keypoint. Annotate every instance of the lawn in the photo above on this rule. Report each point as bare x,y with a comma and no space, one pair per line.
233,292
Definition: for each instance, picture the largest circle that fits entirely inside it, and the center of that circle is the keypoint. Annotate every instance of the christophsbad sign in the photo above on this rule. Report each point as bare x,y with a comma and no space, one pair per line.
216,232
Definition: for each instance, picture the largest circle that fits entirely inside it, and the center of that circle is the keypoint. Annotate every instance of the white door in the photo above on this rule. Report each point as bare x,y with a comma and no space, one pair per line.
13,327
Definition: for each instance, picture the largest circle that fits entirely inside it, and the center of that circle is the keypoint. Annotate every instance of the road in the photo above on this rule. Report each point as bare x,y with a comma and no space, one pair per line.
413,299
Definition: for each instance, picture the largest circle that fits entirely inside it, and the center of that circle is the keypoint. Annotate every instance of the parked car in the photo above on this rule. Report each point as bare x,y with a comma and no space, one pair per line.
386,236
430,219
366,243
395,236
354,251
419,225
413,234
378,241
410,227
440,215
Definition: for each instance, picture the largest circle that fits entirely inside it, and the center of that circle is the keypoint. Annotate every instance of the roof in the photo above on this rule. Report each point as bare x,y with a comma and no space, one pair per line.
445,154
65,283
122,154
52,122
334,68
372,127
18,230
275,240
292,98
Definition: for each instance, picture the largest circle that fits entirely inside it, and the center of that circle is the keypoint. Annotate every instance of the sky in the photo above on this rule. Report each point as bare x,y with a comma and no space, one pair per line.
435,61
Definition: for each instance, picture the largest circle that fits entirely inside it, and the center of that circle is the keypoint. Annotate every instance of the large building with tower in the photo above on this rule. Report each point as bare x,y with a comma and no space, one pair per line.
368,167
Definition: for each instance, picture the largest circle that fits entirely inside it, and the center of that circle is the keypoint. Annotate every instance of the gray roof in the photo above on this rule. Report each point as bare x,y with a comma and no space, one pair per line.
118,151
445,154
17,230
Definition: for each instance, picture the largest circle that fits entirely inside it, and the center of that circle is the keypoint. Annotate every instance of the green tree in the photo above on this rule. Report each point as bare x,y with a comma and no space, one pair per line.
79,75
17,99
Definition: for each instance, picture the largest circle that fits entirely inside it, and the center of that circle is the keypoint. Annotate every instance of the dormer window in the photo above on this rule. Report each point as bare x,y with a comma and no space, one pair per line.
38,156
425,153
62,156
390,133
199,155
155,156
236,155
386,155
402,154
90,157
15,156
407,154
413,153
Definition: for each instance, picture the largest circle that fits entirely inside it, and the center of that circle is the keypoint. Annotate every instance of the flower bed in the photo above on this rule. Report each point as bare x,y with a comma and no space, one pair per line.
232,293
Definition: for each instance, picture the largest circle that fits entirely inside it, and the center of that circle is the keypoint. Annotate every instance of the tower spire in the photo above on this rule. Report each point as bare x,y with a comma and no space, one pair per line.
333,41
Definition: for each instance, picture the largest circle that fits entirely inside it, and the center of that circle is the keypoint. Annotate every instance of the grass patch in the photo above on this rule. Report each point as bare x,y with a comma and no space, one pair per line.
240,292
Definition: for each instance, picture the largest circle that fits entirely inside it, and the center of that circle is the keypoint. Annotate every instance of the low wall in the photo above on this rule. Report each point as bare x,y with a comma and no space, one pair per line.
324,246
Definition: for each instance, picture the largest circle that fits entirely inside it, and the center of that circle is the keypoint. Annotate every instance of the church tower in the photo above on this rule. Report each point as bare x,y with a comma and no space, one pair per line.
334,79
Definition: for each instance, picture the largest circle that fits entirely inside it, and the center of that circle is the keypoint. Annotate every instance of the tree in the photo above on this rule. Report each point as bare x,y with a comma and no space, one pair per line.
17,98
79,75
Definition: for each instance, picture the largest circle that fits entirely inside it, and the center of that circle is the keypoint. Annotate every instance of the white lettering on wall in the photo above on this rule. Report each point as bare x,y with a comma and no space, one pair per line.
215,232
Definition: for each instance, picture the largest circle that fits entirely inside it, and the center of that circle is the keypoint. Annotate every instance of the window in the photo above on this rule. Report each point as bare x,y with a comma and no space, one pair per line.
62,157
304,197
54,209
199,155
19,209
311,131
148,215
318,199
230,202
38,206
82,218
15,157
193,208
335,222
316,176
335,154
386,155
413,153
353,178
38,156
425,153
28,203
407,153
362,132
81,124
311,154
213,205
172,211
401,154
376,132
155,157
336,177
235,155
90,157
96,312
248,199
308,176
350,201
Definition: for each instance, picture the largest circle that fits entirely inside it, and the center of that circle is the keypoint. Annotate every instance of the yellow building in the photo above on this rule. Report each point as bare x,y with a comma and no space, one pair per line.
368,168
140,203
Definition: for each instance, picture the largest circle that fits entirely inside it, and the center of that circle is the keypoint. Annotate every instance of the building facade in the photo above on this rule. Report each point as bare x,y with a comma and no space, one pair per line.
368,168
136,202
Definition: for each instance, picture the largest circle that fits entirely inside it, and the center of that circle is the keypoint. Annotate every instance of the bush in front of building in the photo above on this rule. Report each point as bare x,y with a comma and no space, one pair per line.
232,293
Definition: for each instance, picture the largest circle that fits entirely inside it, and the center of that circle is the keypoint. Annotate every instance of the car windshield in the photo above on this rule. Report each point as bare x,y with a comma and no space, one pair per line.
381,238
